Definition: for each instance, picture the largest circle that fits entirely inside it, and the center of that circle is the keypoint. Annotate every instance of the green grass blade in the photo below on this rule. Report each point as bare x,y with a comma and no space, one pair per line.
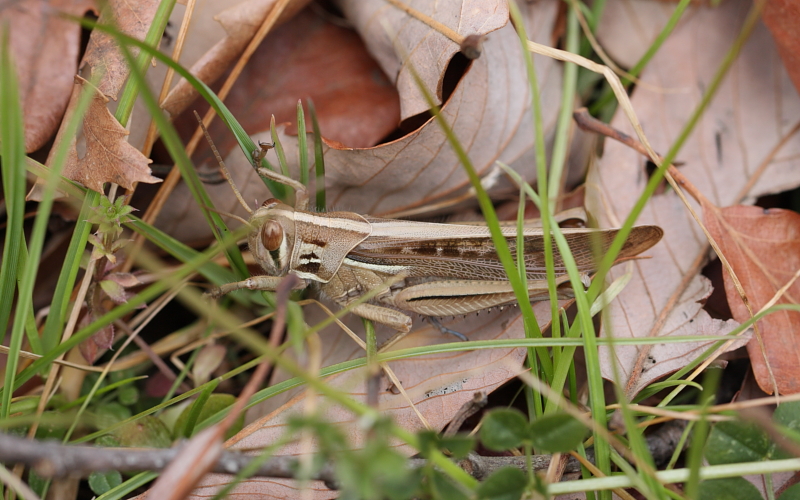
12,160
197,407
12,156
54,324
29,272
545,205
143,59
211,271
302,144
608,95
319,160
492,222
568,90
279,151
129,486
655,180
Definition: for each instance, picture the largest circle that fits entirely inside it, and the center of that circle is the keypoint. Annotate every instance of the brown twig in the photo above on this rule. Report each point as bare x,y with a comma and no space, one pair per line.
470,408
151,355
53,459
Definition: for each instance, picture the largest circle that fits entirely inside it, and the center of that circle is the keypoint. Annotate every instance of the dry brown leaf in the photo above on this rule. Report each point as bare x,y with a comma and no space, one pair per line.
629,27
753,110
103,56
438,385
763,248
45,48
353,99
420,168
240,23
400,43
98,343
109,157
781,17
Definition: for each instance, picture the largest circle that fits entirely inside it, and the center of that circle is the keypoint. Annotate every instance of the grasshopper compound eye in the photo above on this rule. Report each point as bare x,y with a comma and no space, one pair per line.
271,235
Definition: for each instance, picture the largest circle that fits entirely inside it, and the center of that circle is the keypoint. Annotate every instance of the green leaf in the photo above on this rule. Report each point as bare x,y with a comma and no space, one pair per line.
735,442
102,482
508,483
115,291
733,488
557,432
442,488
128,395
109,414
458,446
215,403
108,441
192,413
504,429
376,471
38,483
792,492
428,442
788,415
147,432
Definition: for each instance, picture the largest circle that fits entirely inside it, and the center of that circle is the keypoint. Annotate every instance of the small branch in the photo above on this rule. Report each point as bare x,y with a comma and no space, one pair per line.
470,408
590,124
53,459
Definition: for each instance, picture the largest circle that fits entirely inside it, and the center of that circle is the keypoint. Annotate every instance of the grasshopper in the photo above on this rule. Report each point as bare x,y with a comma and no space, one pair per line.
437,269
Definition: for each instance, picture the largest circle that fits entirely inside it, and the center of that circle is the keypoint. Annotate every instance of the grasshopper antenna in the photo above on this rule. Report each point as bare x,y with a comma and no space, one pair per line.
227,214
222,166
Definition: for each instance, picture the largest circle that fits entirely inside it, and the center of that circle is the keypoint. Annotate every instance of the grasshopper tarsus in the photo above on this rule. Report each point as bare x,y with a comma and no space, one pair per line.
439,326
261,152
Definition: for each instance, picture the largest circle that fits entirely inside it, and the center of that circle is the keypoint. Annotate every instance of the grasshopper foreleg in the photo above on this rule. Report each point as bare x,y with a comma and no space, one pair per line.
300,191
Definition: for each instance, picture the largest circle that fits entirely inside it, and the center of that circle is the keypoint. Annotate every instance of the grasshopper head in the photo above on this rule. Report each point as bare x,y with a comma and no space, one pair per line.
272,237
